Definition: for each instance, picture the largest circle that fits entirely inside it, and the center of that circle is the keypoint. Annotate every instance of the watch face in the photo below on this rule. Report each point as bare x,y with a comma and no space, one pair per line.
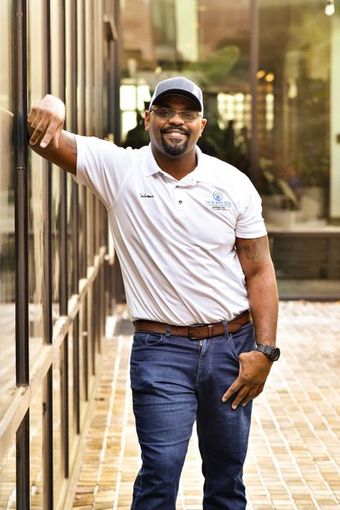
271,351
275,354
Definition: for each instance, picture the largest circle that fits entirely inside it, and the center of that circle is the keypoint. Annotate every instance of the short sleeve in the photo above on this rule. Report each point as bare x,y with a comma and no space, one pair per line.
250,223
101,166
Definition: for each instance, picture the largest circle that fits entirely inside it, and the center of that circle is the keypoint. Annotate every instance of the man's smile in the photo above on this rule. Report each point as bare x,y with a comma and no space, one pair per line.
175,135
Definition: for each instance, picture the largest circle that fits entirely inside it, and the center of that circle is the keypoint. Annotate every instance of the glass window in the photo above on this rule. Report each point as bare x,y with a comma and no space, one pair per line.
57,426
71,125
293,157
70,220
36,450
57,85
83,359
205,40
37,176
73,402
8,479
294,113
298,141
55,241
7,236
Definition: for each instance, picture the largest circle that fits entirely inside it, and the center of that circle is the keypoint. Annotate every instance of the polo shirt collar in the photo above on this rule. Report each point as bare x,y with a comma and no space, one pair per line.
199,174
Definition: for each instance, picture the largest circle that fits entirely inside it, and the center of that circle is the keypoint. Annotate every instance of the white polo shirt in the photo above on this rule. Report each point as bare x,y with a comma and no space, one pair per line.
174,239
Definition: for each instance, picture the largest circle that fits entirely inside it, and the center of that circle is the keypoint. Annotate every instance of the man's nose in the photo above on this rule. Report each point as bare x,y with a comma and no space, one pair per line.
176,118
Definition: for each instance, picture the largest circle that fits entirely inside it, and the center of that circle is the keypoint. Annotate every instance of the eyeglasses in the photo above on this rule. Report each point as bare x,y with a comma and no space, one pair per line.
165,113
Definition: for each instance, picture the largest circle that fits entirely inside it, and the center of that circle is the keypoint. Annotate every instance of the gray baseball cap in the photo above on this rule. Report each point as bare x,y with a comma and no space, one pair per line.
178,86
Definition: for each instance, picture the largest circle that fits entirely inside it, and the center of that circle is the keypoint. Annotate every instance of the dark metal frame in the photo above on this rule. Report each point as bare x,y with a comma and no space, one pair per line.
21,202
21,241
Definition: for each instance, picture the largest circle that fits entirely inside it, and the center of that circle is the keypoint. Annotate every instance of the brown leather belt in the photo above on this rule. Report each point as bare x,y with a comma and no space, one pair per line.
195,332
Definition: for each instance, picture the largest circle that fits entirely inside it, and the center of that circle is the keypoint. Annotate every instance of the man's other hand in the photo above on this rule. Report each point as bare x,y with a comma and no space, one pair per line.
254,369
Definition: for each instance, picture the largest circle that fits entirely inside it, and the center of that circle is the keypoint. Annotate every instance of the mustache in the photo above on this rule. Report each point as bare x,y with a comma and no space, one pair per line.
181,130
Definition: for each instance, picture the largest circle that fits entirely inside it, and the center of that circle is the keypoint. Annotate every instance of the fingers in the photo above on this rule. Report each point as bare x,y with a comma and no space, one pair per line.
241,398
250,381
244,393
44,132
46,121
232,390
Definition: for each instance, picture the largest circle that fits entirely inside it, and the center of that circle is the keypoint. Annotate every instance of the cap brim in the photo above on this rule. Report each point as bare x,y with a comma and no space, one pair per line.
178,92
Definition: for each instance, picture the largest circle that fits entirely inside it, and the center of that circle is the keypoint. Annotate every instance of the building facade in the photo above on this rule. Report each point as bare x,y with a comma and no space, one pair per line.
54,251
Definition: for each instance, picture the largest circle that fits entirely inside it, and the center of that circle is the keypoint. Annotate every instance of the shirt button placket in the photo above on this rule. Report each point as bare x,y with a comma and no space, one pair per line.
179,200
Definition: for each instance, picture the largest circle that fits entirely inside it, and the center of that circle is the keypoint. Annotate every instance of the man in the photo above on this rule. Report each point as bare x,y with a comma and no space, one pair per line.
194,255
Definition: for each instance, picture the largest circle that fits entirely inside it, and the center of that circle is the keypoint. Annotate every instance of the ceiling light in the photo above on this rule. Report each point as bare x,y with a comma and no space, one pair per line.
330,8
270,77
260,74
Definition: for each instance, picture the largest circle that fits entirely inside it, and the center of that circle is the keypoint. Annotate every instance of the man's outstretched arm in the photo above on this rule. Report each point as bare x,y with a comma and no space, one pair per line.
47,136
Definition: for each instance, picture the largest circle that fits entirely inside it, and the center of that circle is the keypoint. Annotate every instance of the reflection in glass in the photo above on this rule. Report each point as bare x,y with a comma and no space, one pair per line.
297,110
70,221
205,40
8,479
83,359
299,154
37,172
36,450
57,432
82,197
72,400
294,140
37,168
55,241
293,89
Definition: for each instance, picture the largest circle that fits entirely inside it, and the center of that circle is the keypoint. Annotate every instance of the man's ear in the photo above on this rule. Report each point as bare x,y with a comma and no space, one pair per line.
203,124
146,119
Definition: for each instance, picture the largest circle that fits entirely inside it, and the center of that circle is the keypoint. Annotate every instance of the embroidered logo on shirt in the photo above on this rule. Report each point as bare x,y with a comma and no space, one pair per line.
146,195
217,203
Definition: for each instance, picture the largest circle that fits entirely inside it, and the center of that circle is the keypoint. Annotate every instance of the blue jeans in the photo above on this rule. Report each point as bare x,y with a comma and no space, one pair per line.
176,381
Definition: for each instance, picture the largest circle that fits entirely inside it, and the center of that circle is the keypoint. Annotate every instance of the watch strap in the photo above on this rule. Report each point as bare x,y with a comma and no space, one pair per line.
271,351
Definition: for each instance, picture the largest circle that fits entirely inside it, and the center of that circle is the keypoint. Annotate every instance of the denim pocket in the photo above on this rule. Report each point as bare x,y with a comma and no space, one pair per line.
243,340
144,340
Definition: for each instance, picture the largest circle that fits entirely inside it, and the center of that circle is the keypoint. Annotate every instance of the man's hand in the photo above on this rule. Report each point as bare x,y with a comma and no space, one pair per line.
254,370
48,138
46,120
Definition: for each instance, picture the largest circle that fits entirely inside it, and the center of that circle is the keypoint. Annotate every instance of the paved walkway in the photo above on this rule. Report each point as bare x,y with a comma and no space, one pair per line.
294,456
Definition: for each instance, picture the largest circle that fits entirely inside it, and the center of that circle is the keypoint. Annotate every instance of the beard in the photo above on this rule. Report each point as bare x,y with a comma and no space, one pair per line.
175,149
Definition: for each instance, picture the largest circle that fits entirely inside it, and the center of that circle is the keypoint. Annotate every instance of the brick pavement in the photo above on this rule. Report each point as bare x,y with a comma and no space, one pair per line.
294,455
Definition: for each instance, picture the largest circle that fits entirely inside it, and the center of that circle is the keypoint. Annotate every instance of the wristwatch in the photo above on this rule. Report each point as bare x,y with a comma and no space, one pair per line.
271,351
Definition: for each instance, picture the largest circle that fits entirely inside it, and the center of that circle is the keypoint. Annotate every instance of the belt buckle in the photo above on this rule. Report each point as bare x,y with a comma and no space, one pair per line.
191,333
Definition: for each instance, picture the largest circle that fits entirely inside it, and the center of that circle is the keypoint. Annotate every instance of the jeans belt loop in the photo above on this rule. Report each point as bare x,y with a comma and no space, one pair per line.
167,330
225,327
